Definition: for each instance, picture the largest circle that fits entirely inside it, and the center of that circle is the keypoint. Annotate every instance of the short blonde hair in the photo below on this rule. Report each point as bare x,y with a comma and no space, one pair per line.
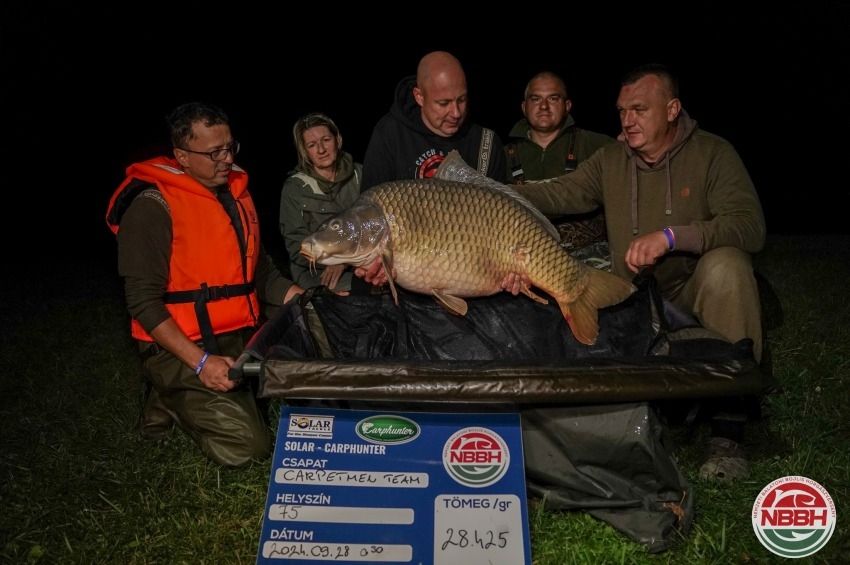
310,121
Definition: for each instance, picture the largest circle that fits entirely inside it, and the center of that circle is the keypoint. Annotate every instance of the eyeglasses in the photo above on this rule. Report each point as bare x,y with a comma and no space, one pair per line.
551,99
218,154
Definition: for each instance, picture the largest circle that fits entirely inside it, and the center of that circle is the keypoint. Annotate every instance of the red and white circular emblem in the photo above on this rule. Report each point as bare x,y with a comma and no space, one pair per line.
476,457
793,516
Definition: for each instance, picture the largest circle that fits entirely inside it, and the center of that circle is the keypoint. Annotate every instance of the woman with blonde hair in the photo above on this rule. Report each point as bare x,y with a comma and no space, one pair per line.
325,182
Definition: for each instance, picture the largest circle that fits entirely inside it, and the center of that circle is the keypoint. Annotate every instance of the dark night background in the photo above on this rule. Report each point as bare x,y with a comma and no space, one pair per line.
85,93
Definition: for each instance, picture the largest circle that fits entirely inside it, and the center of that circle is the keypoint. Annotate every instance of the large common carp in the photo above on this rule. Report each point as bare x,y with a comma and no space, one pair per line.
458,239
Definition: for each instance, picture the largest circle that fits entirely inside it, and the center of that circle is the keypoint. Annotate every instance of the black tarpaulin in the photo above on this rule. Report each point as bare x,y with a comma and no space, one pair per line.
611,461
591,439
506,349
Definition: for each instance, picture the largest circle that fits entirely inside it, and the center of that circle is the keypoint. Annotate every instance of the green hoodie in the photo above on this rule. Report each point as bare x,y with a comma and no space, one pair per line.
306,201
700,188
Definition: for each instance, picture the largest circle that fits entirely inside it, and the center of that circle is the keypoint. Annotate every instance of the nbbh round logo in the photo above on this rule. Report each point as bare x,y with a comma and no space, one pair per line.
793,516
476,457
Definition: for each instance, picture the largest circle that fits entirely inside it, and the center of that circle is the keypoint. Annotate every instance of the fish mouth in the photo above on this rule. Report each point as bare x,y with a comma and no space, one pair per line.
315,257
356,259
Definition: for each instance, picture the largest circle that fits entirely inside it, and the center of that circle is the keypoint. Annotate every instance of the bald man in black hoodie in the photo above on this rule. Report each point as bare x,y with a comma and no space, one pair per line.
426,122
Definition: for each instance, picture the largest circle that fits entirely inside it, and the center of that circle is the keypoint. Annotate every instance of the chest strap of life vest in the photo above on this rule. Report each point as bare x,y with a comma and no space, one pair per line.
200,297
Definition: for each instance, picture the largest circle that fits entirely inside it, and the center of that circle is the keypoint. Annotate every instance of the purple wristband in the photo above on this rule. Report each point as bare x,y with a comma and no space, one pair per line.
200,366
671,238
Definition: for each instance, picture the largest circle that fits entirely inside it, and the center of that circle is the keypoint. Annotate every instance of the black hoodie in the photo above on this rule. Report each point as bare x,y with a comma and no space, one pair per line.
402,147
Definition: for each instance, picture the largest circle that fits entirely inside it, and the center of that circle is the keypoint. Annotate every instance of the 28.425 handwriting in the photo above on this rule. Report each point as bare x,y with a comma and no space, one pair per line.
464,539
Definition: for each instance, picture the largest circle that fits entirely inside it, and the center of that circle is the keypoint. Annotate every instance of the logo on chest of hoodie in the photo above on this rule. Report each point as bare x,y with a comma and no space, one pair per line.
685,192
427,163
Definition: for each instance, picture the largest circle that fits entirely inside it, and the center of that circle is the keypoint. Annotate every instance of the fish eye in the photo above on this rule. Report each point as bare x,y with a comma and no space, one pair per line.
335,225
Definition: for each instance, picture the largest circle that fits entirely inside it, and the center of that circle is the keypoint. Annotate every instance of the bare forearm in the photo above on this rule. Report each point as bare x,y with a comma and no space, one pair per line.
168,335
212,370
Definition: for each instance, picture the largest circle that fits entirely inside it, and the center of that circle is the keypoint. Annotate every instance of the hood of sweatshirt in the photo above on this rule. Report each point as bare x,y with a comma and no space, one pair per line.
407,111
344,172
685,127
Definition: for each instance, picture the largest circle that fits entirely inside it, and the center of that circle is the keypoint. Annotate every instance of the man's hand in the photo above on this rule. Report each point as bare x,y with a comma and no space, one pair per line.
646,250
330,278
514,283
292,292
214,374
373,273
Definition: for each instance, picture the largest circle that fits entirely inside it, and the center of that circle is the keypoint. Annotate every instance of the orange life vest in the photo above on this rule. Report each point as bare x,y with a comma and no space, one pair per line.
205,273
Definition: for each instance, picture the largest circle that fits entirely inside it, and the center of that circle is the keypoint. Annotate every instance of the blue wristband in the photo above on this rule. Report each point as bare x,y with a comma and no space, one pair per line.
200,366
671,238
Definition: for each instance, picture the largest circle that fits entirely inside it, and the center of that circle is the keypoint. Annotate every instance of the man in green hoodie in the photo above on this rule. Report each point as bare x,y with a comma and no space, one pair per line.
679,200
546,144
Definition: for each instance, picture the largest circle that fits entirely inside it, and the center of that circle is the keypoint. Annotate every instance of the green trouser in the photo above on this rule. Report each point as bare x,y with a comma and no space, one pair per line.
723,295
227,426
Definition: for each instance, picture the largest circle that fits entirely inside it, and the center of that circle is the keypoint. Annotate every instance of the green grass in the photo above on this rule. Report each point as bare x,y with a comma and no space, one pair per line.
77,485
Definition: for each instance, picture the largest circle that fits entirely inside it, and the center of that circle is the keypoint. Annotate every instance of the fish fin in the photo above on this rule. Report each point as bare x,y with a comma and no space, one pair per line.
450,302
535,297
522,255
387,265
454,168
583,321
603,289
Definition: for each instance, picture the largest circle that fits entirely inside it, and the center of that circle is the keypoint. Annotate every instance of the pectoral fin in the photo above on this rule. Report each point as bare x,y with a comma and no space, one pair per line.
522,255
535,297
450,302
387,264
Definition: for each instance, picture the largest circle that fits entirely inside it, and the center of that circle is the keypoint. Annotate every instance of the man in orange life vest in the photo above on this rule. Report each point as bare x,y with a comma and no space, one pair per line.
194,273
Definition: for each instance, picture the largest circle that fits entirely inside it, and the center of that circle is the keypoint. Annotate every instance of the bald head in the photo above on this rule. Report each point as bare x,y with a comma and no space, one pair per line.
440,92
547,76
436,64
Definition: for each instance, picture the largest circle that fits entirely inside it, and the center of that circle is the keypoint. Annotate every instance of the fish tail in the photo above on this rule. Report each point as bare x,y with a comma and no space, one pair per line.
602,289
